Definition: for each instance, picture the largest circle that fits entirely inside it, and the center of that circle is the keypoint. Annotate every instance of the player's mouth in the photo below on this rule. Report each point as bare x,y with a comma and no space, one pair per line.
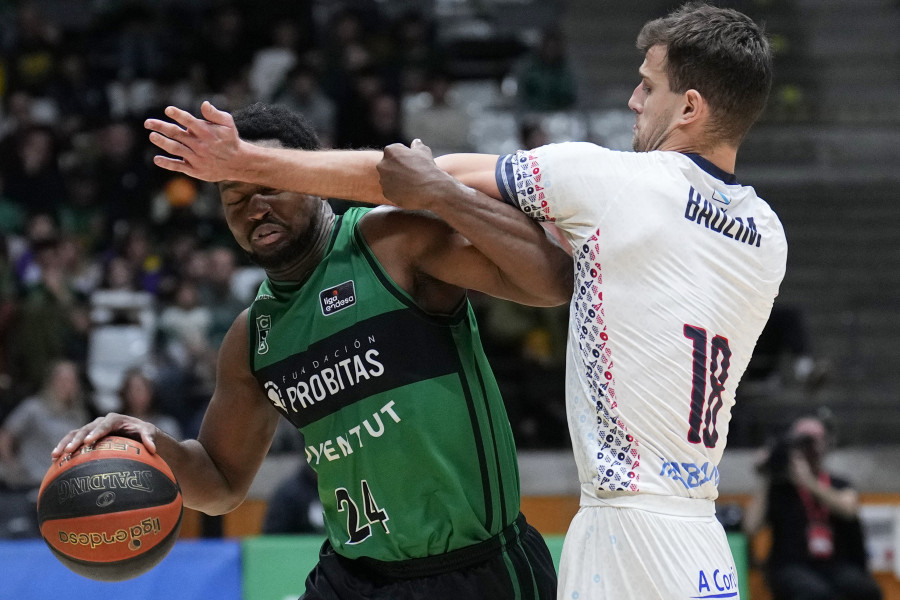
266,234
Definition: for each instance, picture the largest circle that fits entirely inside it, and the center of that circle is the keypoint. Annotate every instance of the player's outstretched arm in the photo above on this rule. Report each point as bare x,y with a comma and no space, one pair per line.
496,248
209,148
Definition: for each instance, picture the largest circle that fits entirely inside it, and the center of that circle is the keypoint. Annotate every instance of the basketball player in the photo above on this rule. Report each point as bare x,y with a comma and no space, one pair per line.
676,268
363,338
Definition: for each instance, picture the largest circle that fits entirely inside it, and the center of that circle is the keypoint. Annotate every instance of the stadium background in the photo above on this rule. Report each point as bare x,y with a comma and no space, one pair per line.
79,77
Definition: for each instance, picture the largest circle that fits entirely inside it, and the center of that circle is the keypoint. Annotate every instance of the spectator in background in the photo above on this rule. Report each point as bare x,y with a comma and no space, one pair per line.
302,93
271,64
8,309
39,227
216,291
355,108
33,428
137,397
32,178
136,246
186,355
345,50
817,548
118,274
184,325
436,118
384,126
295,506
35,43
79,95
415,53
82,215
83,273
223,47
533,134
53,320
123,177
545,81
784,352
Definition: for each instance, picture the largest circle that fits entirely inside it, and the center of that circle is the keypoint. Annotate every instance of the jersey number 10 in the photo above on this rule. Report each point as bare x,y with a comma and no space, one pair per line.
704,409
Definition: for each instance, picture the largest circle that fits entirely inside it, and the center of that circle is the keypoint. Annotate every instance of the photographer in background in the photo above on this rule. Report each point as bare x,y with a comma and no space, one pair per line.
817,543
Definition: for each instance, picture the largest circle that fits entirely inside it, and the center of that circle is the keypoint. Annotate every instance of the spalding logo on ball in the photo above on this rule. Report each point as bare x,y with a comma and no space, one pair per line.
110,511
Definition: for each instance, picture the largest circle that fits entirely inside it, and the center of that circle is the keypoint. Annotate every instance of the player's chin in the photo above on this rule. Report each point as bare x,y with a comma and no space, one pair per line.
271,257
637,144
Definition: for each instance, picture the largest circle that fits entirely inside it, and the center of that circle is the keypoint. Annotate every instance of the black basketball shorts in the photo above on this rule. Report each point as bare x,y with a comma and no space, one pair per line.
515,565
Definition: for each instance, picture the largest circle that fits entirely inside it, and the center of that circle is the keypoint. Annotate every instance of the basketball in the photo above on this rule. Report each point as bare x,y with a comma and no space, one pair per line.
110,511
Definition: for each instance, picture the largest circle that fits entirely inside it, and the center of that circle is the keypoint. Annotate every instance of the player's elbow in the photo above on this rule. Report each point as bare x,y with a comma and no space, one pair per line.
217,504
553,296
213,495
562,284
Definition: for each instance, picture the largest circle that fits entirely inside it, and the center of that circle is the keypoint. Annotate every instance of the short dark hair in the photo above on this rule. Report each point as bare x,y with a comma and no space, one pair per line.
721,53
257,122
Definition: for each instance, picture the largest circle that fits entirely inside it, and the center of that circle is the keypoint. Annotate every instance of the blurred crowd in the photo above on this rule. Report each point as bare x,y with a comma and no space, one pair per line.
118,279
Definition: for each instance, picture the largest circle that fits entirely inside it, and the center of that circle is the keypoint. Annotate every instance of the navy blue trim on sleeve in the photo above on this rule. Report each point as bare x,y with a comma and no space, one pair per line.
506,180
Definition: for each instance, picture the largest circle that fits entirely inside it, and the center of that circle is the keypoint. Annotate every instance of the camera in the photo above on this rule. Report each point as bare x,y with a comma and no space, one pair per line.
777,462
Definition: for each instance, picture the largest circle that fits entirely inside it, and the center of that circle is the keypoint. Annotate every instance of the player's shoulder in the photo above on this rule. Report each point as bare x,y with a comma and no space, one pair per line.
395,234
397,222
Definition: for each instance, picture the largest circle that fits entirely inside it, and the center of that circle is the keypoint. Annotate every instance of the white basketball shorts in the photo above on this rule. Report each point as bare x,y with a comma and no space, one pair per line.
630,553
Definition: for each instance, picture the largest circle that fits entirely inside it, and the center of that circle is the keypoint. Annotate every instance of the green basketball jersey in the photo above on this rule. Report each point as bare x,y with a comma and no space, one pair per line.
401,415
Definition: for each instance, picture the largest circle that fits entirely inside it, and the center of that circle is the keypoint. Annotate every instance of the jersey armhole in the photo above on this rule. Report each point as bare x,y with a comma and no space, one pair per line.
456,317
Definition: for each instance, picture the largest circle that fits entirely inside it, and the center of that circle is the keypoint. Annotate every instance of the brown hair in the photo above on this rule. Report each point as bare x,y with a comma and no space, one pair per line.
723,55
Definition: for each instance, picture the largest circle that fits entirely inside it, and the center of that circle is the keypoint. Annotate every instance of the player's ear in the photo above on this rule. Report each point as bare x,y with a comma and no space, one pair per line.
693,106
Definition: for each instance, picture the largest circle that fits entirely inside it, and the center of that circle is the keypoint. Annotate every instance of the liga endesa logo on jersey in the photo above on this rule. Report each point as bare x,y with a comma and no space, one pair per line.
337,298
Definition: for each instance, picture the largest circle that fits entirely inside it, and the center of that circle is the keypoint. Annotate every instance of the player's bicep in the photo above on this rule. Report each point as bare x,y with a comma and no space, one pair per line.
239,423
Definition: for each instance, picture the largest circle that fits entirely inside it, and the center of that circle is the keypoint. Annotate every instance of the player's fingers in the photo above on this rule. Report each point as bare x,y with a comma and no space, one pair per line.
214,115
75,438
100,429
182,117
148,439
170,130
420,146
63,443
392,150
169,145
171,164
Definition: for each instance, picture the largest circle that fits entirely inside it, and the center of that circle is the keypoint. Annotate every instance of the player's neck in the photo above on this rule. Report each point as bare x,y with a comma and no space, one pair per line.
297,271
723,157
686,141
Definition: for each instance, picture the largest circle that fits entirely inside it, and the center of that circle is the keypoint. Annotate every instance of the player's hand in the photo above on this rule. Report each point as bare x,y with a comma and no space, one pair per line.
103,426
207,148
409,178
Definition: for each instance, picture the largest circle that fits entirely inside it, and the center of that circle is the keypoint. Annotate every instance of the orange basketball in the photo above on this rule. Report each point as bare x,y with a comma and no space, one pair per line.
110,511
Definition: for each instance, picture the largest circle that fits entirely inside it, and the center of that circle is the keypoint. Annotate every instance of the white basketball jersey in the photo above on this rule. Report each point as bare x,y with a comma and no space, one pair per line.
676,270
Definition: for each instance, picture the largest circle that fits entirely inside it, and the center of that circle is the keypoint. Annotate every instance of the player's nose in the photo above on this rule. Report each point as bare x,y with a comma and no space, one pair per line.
259,206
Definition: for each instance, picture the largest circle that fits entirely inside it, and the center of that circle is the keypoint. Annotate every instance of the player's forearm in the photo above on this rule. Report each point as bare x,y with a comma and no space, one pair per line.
203,486
345,174
474,170
530,263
